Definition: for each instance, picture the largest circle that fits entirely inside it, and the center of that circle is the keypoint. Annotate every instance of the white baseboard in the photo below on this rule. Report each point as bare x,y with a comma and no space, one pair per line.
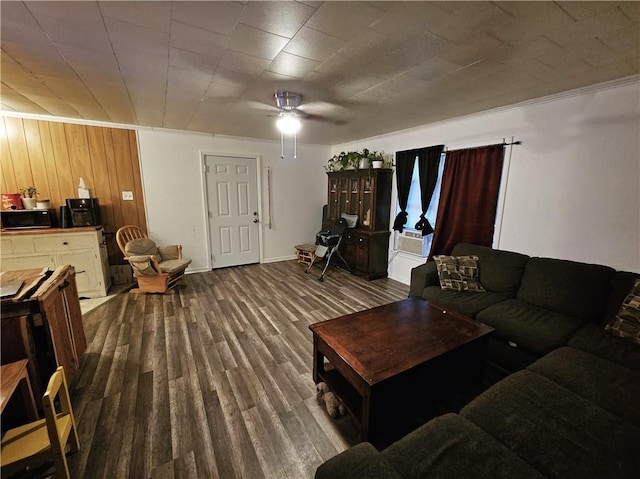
278,259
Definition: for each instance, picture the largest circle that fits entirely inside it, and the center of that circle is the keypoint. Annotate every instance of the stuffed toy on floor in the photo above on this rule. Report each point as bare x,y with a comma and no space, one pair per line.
331,402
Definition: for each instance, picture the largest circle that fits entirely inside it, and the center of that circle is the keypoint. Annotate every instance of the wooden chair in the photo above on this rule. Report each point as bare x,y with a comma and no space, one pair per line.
157,269
45,439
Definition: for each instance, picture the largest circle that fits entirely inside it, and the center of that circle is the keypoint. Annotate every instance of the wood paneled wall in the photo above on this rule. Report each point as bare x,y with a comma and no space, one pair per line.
54,156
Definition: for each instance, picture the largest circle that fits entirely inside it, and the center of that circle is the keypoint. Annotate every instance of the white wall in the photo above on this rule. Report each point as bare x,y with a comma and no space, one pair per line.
174,194
572,189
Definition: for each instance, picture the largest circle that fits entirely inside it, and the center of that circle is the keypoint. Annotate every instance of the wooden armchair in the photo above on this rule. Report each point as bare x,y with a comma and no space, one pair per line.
45,439
156,268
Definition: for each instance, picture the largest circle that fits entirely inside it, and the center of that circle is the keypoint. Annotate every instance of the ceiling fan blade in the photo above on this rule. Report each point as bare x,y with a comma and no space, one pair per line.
324,119
325,111
257,105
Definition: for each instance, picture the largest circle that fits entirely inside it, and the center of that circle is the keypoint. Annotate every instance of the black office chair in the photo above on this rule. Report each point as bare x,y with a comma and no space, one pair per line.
327,244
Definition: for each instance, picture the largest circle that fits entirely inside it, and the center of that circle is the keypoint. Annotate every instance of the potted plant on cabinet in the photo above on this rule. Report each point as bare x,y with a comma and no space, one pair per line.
352,160
29,197
343,161
376,158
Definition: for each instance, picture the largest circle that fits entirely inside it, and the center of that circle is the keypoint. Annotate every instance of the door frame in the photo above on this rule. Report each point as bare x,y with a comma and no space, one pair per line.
205,198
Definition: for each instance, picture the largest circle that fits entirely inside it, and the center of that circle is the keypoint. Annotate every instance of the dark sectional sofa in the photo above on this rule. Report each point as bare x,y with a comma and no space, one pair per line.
569,406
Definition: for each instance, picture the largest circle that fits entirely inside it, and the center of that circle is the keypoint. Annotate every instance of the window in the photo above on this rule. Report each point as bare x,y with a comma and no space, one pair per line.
414,205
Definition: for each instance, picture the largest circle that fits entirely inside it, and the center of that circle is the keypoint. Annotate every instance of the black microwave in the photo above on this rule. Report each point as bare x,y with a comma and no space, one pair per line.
26,219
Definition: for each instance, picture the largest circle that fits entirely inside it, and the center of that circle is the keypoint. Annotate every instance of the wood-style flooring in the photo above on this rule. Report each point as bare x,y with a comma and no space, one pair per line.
214,381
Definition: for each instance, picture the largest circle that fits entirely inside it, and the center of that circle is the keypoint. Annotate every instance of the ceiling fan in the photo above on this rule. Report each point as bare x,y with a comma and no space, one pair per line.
288,119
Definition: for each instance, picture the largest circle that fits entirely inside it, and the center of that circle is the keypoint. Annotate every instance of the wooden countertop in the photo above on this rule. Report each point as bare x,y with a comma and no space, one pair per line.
44,231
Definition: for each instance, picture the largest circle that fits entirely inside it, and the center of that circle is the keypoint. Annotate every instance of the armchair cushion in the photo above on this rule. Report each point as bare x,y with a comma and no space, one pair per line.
141,246
173,266
143,264
170,252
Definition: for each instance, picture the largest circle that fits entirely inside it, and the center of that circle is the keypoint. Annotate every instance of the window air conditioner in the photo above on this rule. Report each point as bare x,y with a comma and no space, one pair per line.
411,242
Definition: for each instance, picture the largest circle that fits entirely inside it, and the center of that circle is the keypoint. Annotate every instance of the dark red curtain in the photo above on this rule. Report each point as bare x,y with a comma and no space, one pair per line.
468,198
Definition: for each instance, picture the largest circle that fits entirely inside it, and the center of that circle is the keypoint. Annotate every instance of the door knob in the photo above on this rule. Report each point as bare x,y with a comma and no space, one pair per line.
256,220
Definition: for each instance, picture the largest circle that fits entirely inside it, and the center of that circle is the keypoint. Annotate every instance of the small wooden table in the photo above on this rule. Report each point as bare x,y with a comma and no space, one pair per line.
377,351
306,253
12,376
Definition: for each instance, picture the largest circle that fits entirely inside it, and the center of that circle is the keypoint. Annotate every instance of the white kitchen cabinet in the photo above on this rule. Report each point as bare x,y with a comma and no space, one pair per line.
83,248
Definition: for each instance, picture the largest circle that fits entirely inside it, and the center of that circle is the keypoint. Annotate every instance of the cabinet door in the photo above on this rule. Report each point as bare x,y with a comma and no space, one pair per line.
362,253
354,197
334,194
349,249
87,266
344,197
367,204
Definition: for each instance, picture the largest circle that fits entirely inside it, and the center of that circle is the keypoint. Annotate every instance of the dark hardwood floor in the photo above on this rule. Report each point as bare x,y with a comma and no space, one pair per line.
214,381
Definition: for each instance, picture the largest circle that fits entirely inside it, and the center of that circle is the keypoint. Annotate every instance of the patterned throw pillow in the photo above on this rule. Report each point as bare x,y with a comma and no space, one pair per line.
458,273
626,323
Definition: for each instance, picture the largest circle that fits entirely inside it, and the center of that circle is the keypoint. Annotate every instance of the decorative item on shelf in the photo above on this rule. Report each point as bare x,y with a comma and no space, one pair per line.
376,158
367,218
83,191
11,201
43,204
29,196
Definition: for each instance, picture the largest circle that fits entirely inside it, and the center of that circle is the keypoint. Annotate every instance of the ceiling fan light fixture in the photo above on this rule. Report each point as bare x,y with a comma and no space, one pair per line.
288,124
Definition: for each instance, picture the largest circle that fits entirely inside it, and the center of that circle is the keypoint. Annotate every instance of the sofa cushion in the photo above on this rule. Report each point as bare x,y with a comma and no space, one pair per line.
450,446
575,289
598,342
557,432
602,382
463,302
536,329
500,271
626,324
362,460
458,273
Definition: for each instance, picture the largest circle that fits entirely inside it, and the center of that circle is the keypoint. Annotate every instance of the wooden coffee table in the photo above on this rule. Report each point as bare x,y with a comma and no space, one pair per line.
378,351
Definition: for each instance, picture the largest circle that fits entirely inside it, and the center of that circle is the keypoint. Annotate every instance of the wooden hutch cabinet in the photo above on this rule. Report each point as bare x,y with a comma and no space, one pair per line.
366,193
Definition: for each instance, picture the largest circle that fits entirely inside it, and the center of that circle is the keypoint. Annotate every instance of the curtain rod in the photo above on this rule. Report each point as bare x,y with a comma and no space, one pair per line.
504,143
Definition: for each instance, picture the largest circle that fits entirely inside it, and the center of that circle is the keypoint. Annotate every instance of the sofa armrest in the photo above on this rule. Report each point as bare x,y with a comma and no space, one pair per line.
362,461
422,276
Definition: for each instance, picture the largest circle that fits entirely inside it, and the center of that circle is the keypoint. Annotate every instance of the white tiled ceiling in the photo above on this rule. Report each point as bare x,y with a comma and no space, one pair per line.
364,68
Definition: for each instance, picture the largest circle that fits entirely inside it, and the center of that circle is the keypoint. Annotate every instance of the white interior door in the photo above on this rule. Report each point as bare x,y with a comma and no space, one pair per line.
232,202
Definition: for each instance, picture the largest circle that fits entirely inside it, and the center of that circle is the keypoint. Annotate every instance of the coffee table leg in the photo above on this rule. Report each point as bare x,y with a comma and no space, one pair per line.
318,361
365,426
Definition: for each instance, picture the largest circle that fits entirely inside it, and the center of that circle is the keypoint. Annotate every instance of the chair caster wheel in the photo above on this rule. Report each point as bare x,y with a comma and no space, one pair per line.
321,279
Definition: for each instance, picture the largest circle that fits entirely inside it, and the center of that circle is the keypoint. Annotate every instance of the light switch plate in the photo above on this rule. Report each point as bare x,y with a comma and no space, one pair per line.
127,195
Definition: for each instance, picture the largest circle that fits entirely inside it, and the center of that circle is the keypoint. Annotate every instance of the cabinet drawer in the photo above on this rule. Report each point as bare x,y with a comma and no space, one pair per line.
64,243
11,246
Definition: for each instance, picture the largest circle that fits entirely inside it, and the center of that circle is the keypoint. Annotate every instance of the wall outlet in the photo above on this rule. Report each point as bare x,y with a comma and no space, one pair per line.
127,195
